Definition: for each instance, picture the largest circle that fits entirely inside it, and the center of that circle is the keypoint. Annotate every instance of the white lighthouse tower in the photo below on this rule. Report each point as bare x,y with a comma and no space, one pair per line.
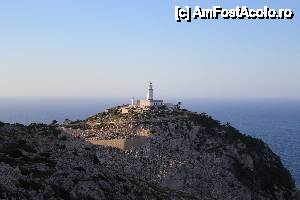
148,103
150,92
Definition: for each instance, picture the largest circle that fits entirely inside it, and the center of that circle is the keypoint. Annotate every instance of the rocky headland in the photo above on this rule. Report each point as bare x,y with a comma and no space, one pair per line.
142,154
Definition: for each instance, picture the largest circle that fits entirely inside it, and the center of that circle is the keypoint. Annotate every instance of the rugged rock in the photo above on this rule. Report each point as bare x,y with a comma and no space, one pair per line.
42,162
183,155
190,152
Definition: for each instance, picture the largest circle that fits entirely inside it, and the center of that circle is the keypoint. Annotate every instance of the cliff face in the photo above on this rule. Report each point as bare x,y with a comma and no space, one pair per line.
41,162
190,152
160,154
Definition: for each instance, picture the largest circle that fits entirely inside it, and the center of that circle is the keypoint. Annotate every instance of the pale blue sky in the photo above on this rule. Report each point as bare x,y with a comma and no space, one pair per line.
112,49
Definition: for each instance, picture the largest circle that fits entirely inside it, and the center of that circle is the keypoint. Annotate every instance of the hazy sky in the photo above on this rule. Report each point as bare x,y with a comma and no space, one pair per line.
112,49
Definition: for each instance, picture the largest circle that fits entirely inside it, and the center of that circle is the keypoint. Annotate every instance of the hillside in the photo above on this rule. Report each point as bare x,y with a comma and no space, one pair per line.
41,162
189,152
142,154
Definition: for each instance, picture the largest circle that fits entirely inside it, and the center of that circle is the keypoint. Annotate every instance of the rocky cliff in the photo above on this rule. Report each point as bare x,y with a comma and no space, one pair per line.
143,154
41,162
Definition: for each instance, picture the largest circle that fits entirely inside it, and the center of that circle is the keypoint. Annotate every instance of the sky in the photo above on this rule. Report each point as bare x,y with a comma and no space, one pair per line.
75,48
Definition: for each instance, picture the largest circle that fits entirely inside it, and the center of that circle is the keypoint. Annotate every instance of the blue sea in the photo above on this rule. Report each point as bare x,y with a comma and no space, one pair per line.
277,122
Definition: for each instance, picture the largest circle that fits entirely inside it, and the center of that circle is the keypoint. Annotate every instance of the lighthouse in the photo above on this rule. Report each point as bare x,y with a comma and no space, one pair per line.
148,102
150,92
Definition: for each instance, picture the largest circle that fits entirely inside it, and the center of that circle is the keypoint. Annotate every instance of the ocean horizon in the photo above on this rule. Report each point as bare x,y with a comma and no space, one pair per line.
276,122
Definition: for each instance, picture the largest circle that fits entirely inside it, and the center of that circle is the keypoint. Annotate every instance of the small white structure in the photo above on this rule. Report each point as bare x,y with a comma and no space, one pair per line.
132,101
150,101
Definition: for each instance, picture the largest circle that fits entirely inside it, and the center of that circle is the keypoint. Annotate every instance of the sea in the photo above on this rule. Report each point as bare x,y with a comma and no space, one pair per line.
276,122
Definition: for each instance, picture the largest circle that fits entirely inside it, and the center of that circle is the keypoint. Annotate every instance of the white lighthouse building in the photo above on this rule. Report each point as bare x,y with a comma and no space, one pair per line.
149,101
150,92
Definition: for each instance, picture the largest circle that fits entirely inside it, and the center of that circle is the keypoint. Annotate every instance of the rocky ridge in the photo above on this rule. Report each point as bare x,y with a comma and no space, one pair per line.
193,153
42,162
186,155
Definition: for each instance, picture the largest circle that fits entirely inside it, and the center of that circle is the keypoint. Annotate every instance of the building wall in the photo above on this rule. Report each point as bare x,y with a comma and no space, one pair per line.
147,103
144,103
157,103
